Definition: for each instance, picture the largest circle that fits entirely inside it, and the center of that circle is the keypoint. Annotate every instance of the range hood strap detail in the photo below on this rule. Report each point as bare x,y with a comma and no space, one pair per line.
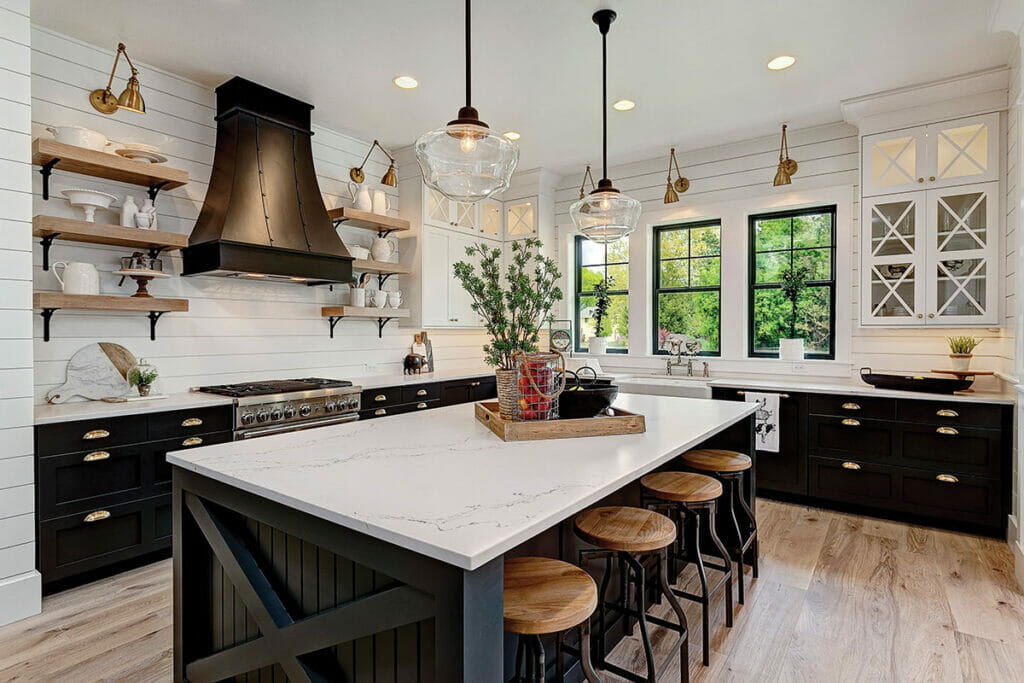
259,173
298,193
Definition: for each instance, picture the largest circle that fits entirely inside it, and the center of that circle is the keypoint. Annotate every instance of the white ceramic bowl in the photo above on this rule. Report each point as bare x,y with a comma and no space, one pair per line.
80,136
361,253
89,200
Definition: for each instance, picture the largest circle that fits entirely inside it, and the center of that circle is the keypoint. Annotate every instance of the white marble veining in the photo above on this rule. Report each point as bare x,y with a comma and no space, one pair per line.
85,410
440,483
858,388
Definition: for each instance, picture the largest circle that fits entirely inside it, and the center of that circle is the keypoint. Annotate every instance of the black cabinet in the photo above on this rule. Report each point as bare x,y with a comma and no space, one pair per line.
103,489
470,390
409,398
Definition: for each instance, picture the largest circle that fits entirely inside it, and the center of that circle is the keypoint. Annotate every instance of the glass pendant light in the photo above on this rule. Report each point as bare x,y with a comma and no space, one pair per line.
466,161
605,215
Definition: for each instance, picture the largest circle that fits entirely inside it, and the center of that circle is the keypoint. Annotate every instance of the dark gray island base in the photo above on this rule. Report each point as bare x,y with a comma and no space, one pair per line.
264,591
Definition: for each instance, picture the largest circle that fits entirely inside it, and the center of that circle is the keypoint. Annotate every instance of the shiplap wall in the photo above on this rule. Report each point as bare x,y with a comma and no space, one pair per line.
828,156
234,330
19,582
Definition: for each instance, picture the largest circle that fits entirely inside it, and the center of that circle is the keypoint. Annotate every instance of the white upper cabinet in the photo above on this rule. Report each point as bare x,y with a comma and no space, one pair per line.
491,219
925,157
892,247
441,212
521,219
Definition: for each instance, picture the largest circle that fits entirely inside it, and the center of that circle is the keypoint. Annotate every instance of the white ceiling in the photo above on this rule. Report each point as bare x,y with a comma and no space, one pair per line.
696,68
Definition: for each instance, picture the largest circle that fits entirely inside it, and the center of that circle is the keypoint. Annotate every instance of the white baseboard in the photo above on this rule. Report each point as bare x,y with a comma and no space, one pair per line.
1012,529
20,596
1018,561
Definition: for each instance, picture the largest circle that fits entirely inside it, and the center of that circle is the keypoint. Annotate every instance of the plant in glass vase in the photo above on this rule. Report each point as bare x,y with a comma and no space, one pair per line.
792,281
514,308
602,301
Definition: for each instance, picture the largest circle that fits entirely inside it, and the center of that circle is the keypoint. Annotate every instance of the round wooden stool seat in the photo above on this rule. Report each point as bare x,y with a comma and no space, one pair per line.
546,596
715,460
682,487
632,530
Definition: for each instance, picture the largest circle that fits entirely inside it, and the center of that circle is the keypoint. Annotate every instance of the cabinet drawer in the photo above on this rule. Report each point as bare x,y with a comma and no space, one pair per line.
375,398
385,411
960,449
852,406
188,422
853,481
162,471
421,392
71,437
850,437
958,497
951,413
76,482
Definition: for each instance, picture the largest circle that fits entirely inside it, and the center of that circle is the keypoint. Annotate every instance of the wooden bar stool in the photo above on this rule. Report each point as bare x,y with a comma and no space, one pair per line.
543,596
730,467
626,534
685,495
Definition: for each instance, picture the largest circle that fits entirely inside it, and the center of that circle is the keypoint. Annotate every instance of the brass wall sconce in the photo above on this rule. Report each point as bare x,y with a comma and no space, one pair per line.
787,167
674,189
104,101
583,185
390,178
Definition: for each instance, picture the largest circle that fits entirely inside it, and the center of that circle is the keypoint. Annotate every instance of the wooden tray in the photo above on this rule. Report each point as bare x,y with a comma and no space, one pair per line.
622,422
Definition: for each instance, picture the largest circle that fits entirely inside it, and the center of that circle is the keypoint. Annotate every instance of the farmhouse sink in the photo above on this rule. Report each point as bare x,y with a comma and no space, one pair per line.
663,385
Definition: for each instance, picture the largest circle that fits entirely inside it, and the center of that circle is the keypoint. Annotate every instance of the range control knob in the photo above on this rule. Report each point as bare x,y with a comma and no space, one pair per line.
289,412
276,414
248,418
305,410
329,407
262,416
353,403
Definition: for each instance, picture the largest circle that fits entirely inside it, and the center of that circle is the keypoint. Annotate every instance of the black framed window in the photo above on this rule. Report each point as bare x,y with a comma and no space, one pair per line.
594,262
783,240
688,284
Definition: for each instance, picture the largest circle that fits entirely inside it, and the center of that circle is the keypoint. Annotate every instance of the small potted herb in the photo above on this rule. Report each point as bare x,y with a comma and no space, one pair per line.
602,301
961,351
142,376
793,281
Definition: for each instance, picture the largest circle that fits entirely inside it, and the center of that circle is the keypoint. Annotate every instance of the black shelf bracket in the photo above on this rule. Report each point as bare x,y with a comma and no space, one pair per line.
46,241
334,321
341,221
153,317
47,314
381,322
155,251
45,172
154,189
382,278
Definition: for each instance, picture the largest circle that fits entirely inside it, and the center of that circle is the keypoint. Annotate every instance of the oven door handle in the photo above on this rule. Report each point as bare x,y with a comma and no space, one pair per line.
294,427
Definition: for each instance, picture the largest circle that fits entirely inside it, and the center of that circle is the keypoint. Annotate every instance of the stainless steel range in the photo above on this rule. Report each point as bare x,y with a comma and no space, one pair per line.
276,406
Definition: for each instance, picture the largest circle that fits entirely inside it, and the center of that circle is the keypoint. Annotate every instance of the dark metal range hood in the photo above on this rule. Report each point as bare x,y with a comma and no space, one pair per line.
263,216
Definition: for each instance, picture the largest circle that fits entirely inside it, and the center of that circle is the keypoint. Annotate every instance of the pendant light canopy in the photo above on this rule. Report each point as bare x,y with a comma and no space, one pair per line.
466,161
605,215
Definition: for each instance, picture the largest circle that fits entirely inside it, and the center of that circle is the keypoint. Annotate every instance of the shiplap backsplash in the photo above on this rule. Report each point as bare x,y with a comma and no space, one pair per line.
235,330
828,156
19,582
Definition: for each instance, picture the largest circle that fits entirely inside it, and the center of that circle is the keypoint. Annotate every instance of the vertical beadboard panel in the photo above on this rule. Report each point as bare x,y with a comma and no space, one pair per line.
234,331
19,582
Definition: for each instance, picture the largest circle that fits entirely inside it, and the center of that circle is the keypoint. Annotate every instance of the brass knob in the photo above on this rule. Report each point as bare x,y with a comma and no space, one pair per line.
380,397
192,441
420,406
850,465
96,434
947,478
948,431
380,411
191,422
920,315
945,412
920,180
95,456
850,422
850,406
421,392
96,516
931,315
931,178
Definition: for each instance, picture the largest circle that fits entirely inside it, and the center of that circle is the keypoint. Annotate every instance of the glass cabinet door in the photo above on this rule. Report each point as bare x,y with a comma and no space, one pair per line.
490,218
521,220
963,151
894,162
437,209
963,271
892,243
465,215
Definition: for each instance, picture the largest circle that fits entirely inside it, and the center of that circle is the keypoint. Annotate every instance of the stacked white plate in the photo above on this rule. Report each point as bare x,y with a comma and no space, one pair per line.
137,151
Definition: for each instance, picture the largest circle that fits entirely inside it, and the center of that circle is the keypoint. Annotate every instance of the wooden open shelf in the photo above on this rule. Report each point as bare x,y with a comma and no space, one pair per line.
74,230
51,154
354,218
54,301
382,315
380,267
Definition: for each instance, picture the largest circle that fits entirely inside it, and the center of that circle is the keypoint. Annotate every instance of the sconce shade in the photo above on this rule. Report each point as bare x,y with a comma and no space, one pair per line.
131,98
390,178
782,176
671,196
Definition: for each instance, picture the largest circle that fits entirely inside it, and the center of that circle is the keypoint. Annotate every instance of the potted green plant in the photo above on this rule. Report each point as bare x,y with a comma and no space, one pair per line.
599,342
962,351
513,308
142,376
793,281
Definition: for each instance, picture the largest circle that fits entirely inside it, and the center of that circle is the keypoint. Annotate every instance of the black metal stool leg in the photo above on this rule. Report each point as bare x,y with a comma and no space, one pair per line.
693,553
637,568
540,668
585,663
739,535
684,631
753,526
520,646
726,561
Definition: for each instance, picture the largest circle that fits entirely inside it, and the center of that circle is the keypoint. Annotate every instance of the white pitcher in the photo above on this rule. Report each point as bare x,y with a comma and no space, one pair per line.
380,203
382,249
77,278
360,197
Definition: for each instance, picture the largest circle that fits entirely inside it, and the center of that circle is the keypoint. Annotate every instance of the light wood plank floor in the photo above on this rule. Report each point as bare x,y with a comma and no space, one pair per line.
840,598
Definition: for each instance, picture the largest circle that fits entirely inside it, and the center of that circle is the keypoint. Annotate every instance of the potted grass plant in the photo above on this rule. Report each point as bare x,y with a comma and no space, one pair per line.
602,301
513,307
961,351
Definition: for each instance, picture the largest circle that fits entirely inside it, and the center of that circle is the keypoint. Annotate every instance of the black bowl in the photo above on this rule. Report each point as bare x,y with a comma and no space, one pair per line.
586,401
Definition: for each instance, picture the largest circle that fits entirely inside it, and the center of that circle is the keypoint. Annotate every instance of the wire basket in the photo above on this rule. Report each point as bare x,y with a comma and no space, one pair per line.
539,379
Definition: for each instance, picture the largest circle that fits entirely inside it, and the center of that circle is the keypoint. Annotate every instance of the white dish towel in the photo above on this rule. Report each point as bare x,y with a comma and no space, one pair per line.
766,420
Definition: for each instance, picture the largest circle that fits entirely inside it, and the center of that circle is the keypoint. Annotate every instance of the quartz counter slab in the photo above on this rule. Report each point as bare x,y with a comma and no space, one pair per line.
443,375
439,483
85,410
858,388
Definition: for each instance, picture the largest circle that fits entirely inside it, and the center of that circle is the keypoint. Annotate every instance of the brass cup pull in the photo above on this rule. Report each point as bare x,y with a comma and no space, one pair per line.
380,411
380,397
192,441
850,406
947,413
474,384
97,516
191,422
421,392
948,431
95,456
96,434
850,465
420,406
850,422
947,478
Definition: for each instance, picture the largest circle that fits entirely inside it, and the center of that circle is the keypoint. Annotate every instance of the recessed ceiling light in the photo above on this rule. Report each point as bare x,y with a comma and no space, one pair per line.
406,82
512,135
624,105
781,62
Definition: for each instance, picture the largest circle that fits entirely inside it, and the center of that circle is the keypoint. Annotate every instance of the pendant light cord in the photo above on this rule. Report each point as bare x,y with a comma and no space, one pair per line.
604,100
469,90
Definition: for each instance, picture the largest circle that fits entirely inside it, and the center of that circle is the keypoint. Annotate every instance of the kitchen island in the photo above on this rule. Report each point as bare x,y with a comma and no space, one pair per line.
378,546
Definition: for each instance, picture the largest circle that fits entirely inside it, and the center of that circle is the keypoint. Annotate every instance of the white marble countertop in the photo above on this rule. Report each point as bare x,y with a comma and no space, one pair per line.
83,410
441,484
441,375
857,388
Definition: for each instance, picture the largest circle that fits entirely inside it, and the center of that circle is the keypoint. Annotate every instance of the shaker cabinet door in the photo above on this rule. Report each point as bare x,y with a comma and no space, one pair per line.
435,277
892,259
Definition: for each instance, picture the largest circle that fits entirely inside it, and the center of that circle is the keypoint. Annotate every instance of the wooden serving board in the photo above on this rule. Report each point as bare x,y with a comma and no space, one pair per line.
622,422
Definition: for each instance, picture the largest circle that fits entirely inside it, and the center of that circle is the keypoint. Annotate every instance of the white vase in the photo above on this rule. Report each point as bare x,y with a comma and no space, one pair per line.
598,345
961,362
791,349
